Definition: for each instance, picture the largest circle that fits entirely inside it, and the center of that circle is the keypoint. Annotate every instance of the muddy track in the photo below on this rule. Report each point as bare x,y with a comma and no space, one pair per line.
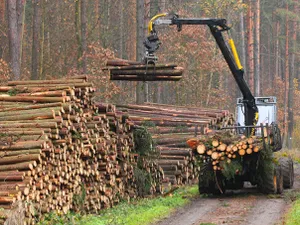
244,207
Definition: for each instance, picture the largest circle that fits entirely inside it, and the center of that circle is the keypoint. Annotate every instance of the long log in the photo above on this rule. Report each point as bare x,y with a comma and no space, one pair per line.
59,93
19,166
12,177
21,132
121,62
164,77
30,124
174,130
173,113
169,123
57,86
20,152
19,158
31,111
29,107
149,72
22,145
190,108
38,116
62,81
32,99
144,67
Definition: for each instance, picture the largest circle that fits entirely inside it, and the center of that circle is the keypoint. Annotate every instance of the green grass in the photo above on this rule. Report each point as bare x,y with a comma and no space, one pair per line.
293,217
143,211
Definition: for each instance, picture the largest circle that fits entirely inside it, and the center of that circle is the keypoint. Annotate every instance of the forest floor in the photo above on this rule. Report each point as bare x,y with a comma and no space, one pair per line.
243,207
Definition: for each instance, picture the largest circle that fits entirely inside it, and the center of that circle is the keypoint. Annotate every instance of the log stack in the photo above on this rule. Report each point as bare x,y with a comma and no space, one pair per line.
120,69
60,151
170,127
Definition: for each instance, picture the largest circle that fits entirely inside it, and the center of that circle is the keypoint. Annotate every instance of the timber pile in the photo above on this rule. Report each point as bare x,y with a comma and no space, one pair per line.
121,69
223,148
170,127
56,146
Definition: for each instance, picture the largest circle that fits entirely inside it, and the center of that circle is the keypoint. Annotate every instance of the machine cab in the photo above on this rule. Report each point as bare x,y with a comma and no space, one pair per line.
266,108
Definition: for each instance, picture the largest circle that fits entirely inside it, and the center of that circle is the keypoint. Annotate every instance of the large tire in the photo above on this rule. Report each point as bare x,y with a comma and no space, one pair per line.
209,186
287,172
203,184
269,184
279,179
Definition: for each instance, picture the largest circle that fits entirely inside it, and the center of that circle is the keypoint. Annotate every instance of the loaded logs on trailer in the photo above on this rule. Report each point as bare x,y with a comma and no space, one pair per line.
121,69
223,148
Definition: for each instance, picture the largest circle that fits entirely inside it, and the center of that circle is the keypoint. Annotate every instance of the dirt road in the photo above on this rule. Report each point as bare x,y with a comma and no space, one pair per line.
244,207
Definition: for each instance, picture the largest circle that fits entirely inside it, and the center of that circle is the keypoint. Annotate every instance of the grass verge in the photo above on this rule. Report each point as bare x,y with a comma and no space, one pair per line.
293,217
143,211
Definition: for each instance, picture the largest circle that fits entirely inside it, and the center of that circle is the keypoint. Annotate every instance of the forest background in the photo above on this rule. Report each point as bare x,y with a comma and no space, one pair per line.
49,39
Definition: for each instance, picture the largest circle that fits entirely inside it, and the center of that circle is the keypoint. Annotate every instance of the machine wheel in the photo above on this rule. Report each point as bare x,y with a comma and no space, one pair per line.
203,184
279,179
287,172
208,185
218,189
270,183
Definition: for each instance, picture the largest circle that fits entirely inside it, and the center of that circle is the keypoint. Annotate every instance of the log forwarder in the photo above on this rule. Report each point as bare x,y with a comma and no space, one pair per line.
280,173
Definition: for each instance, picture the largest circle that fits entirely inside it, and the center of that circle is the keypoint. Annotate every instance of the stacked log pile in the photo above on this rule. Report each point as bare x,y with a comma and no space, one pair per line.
170,127
120,69
60,151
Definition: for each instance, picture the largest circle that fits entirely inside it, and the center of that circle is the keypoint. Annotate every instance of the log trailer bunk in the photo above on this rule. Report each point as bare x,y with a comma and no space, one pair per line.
283,172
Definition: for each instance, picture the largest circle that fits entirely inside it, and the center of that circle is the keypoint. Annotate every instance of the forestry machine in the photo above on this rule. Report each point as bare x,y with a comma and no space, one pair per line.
280,174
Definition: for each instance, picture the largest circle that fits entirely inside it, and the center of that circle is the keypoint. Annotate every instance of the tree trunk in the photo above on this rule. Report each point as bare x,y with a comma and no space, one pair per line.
140,47
2,11
291,82
83,36
242,31
35,40
257,49
78,32
250,52
42,40
15,13
286,79
2,21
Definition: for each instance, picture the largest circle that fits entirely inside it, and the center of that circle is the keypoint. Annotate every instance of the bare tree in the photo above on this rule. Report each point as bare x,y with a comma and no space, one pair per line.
257,48
291,79
286,77
140,47
250,50
83,35
15,18
35,40
42,39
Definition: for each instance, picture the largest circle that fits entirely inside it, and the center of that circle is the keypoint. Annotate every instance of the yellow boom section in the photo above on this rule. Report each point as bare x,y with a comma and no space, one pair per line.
150,24
235,54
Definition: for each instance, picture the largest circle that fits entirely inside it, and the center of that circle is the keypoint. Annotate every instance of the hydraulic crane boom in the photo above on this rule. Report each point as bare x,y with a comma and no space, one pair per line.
216,26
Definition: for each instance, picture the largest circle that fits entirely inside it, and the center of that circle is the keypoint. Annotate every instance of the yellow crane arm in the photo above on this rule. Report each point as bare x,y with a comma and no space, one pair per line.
150,24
